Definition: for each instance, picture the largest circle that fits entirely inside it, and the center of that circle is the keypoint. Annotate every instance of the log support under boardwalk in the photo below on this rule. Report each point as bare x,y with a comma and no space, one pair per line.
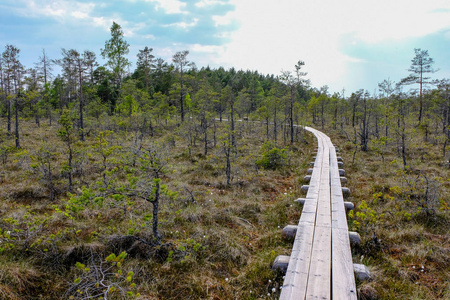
313,270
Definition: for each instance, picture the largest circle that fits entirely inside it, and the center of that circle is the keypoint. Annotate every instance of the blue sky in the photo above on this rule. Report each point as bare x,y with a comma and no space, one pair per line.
349,44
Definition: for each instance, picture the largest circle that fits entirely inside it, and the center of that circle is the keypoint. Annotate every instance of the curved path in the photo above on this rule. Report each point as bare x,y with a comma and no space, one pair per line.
320,265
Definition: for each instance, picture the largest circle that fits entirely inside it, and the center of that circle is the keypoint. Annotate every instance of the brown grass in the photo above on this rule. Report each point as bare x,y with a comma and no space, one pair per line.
222,245
219,247
410,258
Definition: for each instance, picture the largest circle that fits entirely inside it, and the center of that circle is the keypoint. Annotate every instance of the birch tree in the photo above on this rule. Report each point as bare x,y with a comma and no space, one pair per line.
115,51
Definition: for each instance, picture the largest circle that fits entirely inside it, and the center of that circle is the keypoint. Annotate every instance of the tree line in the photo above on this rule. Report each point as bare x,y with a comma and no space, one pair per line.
158,90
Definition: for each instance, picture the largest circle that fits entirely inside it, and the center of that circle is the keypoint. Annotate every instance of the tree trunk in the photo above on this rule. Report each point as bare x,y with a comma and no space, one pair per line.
70,169
321,117
386,126
275,124
37,120
365,130
155,221
291,116
181,97
17,123
335,118
205,137
233,138
354,115
81,117
420,94
228,166
9,116
214,133
403,147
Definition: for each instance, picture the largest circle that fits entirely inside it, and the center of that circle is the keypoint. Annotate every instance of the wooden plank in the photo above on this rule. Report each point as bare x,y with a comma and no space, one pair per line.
344,286
339,215
319,278
320,265
296,280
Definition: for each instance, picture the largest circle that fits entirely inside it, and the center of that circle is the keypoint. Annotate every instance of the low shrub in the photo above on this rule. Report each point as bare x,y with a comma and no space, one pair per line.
272,158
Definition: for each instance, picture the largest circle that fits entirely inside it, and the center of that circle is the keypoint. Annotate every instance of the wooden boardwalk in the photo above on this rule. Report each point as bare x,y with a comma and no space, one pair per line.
320,265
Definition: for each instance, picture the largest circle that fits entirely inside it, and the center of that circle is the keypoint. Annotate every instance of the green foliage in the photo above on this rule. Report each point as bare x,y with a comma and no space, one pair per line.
419,193
44,161
107,161
272,158
65,131
186,250
122,172
115,51
5,151
379,145
21,231
365,217
103,279
78,203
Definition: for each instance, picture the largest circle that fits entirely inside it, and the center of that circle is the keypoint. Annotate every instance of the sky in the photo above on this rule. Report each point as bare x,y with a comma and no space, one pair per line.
345,44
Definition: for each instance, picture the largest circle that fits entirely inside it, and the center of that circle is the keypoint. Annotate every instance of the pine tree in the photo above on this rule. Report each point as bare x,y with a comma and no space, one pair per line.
421,64
145,65
12,75
181,64
293,82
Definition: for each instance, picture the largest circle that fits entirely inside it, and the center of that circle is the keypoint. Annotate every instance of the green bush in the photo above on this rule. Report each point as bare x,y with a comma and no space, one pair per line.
271,157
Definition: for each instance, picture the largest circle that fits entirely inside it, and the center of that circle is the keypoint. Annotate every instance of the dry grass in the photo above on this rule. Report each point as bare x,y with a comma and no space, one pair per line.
407,250
219,247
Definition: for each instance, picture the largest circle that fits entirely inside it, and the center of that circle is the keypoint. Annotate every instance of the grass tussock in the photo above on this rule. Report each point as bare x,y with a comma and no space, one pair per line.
403,217
218,240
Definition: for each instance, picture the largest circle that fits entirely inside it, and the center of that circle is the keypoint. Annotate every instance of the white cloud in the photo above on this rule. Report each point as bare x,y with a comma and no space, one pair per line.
383,20
169,6
274,35
66,12
131,29
72,11
183,25
223,20
205,48
204,55
166,52
204,3
58,9
102,22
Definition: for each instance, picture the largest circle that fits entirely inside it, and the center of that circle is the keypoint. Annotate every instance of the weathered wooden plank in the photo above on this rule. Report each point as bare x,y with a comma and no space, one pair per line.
343,286
339,216
320,265
319,278
296,280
